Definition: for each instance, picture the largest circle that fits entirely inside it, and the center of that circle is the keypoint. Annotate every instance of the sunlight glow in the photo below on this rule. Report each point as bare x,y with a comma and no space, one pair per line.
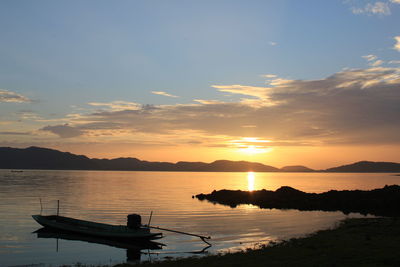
250,181
252,145
251,149
254,140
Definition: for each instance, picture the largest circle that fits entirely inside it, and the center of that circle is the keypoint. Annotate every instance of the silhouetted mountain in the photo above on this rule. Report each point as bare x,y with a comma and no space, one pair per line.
296,169
186,166
44,158
237,166
50,159
367,166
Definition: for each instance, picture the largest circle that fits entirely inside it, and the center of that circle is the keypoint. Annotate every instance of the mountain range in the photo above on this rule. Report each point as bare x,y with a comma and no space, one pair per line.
50,159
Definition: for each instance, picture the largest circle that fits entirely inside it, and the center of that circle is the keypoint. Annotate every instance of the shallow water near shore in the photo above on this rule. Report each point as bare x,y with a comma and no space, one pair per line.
109,196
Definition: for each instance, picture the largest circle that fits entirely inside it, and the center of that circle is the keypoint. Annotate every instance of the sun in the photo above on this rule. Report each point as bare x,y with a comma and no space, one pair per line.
252,145
252,150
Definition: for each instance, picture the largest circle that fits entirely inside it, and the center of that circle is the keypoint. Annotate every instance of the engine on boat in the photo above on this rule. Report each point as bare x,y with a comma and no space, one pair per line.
134,221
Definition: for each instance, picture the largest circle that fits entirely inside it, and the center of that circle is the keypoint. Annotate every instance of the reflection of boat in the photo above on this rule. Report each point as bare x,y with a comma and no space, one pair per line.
133,247
118,243
134,230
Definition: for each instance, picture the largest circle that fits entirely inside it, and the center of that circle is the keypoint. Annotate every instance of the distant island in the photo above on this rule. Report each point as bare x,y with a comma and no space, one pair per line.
50,159
380,202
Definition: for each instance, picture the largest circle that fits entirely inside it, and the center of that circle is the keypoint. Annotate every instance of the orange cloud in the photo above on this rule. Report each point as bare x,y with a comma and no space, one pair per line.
354,106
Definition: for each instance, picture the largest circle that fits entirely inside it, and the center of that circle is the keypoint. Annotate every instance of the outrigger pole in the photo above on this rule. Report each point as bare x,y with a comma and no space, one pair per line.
202,237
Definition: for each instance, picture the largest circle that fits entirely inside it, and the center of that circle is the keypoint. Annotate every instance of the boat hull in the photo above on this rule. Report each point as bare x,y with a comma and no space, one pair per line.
95,229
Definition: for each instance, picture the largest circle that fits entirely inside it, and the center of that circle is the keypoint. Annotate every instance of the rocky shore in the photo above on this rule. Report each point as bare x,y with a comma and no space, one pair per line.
380,202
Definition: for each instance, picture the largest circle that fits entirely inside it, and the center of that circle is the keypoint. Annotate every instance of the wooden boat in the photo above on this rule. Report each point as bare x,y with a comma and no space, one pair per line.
136,231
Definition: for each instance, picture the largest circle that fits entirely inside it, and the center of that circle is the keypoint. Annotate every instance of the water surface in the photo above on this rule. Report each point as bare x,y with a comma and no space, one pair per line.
109,196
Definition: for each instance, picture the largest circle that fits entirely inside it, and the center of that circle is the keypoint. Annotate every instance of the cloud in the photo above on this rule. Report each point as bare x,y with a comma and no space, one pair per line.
353,106
12,97
28,115
397,44
258,92
63,131
163,93
377,8
273,43
259,95
269,76
376,63
395,1
370,57
208,102
15,133
117,105
373,60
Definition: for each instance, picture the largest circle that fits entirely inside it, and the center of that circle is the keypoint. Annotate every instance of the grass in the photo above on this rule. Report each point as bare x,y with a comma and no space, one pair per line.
356,242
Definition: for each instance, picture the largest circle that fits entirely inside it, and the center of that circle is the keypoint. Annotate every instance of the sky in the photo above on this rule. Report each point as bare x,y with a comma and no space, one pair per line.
313,83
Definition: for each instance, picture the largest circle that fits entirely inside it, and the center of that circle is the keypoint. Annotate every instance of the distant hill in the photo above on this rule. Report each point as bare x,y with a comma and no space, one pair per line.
367,166
237,166
42,158
50,159
296,169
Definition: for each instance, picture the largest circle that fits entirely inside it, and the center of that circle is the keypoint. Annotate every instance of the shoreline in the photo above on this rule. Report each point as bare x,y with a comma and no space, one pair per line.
354,242
378,202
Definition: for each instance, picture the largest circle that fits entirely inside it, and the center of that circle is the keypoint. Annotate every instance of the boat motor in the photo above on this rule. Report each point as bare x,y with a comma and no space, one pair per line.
134,221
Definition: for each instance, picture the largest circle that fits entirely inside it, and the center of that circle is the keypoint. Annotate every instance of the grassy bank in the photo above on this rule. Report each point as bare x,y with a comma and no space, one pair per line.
356,242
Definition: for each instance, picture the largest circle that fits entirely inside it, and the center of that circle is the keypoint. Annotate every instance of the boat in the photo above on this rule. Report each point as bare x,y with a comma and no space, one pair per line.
134,229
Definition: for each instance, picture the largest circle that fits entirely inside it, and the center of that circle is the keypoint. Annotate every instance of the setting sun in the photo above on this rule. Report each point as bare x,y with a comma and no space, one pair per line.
252,145
252,149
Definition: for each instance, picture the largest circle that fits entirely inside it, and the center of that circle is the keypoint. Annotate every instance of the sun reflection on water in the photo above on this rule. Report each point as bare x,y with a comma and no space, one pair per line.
250,181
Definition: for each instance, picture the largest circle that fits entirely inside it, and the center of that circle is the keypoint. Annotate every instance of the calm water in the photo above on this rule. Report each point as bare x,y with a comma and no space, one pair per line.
109,196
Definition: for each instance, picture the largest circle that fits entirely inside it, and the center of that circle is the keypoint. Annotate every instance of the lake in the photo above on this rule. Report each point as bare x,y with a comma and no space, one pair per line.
108,196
